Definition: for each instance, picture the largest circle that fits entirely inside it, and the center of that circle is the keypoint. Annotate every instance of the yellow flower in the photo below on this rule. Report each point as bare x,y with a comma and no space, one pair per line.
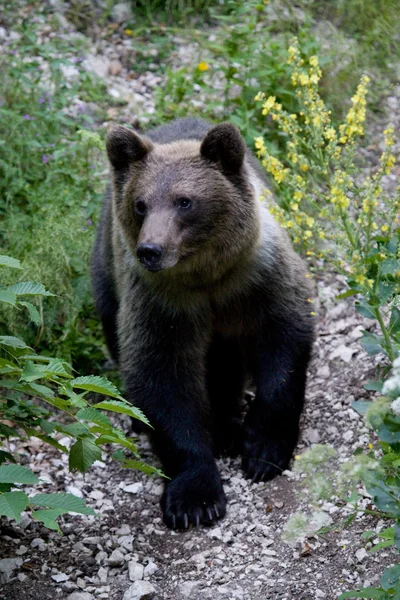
260,96
314,61
330,134
203,66
321,235
385,228
128,31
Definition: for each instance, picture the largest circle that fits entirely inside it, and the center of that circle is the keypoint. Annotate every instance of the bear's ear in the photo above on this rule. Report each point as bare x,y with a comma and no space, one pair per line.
124,146
223,144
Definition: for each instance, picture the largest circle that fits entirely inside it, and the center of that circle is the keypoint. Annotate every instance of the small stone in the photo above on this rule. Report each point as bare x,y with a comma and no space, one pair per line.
343,352
134,488
122,12
92,541
116,559
7,566
21,550
80,596
39,544
102,575
60,577
115,67
126,541
140,590
324,372
150,569
361,554
136,570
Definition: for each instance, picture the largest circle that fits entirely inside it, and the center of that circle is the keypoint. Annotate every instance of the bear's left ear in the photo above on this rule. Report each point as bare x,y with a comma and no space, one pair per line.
223,144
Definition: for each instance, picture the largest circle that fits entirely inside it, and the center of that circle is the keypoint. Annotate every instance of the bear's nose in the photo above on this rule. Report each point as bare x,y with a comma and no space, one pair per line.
150,256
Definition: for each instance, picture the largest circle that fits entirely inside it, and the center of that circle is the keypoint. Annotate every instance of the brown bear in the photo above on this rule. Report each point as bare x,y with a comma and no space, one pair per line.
199,288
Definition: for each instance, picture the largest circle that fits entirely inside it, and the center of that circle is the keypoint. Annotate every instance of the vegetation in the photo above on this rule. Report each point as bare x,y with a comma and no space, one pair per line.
32,383
308,136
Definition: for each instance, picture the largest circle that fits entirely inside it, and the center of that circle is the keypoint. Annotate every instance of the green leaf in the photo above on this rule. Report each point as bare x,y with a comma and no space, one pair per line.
124,408
5,487
397,536
7,261
7,431
12,504
394,325
68,502
372,343
370,592
17,474
99,385
83,454
33,312
6,456
374,386
73,429
391,578
31,372
12,342
361,406
48,517
29,288
8,297
116,439
44,391
141,466
93,415
382,545
364,310
56,367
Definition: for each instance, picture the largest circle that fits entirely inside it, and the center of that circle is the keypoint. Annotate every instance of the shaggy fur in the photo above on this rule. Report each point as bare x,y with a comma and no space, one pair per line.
198,289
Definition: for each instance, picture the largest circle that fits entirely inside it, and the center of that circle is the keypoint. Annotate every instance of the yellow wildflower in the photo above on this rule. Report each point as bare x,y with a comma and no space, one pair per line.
203,66
128,31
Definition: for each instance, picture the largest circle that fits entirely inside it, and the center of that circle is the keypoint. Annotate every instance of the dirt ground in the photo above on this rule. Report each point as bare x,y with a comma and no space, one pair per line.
243,557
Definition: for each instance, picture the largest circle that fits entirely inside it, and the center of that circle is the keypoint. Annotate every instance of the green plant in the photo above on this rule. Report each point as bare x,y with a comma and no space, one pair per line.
335,216
51,185
33,385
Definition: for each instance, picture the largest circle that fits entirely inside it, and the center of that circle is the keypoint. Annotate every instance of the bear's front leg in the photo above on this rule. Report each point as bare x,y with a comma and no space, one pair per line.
272,424
163,357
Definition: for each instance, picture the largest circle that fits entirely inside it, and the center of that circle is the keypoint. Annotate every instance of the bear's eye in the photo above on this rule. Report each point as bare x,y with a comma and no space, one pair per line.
140,208
183,203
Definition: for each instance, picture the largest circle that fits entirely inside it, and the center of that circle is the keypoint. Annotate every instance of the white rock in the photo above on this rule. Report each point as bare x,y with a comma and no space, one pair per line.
99,65
122,12
116,559
136,570
3,33
7,566
39,544
72,489
140,590
60,577
150,569
343,352
134,488
361,554
126,541
324,372
80,596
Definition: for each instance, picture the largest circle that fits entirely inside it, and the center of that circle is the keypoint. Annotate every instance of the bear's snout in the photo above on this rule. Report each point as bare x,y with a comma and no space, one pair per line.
150,256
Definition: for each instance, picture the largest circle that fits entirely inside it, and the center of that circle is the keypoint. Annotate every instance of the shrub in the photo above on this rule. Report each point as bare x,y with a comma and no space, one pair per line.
33,385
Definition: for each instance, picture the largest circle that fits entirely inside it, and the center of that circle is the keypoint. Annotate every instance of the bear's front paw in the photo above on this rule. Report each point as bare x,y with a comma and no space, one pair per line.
194,496
265,458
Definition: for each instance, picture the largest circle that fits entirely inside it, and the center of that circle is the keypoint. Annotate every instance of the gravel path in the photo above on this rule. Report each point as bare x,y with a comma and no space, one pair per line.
128,553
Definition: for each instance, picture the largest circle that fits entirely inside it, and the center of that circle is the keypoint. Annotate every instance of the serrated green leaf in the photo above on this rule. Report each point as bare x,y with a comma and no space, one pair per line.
83,454
51,441
12,342
97,384
17,474
124,408
12,504
114,439
8,261
33,312
141,466
68,502
29,288
73,429
372,343
94,416
6,456
364,310
370,592
8,297
44,391
48,517
381,546
56,367
7,431
31,372
391,578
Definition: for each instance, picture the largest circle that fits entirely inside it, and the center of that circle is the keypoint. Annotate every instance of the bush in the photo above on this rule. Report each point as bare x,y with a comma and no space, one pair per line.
33,382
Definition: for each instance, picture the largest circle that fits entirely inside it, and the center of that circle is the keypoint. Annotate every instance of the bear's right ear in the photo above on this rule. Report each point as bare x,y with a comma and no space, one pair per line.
124,146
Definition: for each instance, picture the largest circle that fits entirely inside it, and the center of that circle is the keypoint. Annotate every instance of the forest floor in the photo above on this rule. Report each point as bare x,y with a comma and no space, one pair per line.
128,553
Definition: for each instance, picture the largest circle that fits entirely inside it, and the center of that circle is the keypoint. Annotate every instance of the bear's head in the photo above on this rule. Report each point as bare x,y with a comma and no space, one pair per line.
184,206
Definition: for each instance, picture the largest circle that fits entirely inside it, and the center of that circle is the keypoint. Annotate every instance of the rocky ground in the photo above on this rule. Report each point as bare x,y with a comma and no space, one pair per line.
127,553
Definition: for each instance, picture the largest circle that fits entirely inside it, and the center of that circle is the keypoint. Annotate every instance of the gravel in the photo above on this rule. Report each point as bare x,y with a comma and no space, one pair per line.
127,553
